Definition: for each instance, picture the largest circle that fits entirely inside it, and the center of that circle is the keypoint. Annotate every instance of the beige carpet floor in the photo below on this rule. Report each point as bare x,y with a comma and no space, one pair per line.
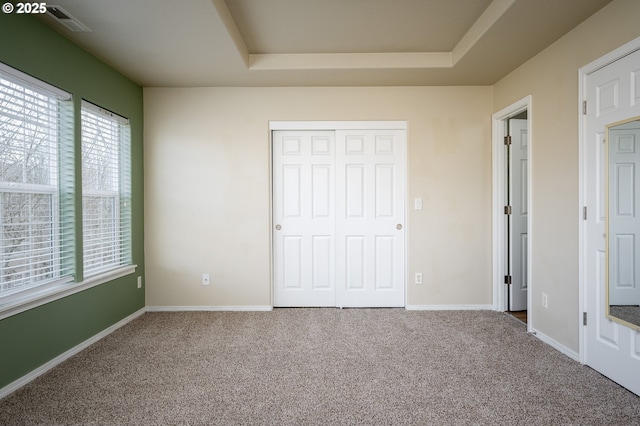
630,314
321,366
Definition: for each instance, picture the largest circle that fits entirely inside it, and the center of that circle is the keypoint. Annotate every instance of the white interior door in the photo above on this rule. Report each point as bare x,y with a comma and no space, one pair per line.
518,189
304,218
612,95
624,214
370,218
338,214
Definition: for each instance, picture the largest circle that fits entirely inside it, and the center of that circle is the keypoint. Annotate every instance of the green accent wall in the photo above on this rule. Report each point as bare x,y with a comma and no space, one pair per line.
34,337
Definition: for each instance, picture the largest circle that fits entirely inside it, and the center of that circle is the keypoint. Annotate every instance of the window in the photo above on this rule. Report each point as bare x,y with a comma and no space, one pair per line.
40,162
36,245
106,190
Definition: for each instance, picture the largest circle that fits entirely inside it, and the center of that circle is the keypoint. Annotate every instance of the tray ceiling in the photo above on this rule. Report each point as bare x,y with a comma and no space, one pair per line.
320,43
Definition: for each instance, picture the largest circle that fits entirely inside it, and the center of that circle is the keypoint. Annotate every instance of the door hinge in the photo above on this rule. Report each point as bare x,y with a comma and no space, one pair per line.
507,209
507,140
584,213
507,279
584,107
584,318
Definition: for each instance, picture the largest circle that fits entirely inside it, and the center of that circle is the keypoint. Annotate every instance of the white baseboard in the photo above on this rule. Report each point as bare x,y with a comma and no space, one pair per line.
208,308
17,384
449,307
558,346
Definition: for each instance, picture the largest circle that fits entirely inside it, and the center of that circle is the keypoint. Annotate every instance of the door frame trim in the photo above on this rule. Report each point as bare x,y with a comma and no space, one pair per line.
339,125
499,181
583,74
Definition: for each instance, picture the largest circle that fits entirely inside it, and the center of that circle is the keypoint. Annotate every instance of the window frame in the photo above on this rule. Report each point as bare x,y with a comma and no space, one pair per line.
35,116
121,195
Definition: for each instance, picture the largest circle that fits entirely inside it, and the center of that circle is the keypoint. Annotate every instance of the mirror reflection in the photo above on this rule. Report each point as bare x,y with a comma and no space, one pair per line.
623,222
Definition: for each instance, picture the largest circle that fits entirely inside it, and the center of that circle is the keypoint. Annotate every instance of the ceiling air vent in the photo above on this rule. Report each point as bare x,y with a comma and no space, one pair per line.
66,19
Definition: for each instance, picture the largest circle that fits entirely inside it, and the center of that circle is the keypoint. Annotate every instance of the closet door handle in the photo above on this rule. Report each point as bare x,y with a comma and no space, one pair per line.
399,226
278,227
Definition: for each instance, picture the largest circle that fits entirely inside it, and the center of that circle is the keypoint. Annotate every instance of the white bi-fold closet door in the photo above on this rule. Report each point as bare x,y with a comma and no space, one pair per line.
338,216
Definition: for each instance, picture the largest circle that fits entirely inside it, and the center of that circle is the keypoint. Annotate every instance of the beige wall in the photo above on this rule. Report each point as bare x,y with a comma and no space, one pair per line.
207,199
551,78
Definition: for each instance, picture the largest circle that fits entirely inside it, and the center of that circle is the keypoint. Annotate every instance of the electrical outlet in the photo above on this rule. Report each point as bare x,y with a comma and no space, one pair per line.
418,278
205,279
139,282
545,300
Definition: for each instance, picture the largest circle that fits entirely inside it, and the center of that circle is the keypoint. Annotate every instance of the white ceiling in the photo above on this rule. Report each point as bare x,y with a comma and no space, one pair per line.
196,43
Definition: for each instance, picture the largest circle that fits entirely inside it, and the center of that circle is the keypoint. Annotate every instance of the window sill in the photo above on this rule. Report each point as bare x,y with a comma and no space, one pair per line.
51,294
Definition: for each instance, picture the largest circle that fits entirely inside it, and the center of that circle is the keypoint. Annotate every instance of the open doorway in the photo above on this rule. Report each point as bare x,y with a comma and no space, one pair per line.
512,201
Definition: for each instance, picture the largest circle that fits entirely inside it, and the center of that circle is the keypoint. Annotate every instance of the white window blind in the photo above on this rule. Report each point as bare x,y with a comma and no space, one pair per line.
36,165
106,190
